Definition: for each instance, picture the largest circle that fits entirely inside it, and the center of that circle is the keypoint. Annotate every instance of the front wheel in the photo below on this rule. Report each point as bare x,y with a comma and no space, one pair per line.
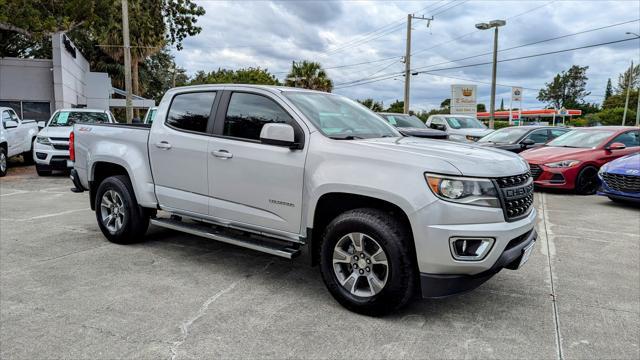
3,162
366,262
119,216
587,181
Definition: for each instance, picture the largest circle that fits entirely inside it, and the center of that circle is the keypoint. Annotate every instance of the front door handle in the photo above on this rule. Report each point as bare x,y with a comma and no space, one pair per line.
163,145
222,154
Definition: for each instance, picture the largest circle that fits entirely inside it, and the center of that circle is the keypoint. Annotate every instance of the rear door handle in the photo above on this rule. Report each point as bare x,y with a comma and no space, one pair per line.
163,145
222,154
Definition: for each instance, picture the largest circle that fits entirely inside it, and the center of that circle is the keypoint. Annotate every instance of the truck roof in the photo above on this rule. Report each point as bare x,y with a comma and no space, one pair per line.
82,110
272,88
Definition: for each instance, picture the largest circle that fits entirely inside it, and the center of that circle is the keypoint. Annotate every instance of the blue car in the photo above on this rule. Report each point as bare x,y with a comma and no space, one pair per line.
620,179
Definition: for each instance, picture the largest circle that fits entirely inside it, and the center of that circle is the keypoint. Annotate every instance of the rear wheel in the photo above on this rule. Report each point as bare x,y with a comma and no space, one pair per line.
587,181
3,162
119,216
366,262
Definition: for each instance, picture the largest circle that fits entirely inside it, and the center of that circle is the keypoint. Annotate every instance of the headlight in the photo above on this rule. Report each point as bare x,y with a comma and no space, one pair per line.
43,140
457,137
563,164
472,138
470,191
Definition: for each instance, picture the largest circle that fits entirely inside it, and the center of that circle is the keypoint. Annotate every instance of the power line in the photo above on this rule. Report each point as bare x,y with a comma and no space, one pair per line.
447,9
391,75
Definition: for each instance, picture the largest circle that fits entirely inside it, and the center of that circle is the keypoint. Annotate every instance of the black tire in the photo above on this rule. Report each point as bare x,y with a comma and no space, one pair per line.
27,156
587,181
394,239
4,163
135,219
42,172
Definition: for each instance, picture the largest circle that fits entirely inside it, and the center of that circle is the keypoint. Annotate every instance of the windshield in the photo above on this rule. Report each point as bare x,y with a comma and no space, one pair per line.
404,121
582,138
340,118
68,118
464,123
506,135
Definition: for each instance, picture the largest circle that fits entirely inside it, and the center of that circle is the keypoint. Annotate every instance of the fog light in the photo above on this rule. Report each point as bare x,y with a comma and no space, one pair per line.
470,249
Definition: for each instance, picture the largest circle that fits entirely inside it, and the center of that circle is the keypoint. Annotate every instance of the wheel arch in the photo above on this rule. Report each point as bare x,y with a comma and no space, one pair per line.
101,170
331,204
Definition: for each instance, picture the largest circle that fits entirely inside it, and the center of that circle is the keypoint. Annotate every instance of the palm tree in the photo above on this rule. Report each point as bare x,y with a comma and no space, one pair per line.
309,75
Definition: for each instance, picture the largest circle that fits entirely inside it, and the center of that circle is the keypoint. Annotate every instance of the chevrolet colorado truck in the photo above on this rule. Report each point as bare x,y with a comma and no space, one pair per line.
286,170
16,138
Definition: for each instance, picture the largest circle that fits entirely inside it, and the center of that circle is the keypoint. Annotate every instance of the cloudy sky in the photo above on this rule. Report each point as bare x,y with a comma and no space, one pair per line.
364,42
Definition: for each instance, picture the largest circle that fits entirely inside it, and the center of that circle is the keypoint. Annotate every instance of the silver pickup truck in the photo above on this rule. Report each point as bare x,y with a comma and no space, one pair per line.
282,170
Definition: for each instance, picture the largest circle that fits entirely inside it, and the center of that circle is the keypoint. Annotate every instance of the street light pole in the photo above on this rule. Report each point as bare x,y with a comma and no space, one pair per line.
484,26
407,59
127,60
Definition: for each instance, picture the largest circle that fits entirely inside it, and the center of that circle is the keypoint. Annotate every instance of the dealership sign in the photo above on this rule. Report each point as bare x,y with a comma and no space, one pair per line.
516,94
463,99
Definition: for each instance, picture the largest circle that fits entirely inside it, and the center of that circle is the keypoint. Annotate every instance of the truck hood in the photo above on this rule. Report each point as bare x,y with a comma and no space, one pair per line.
469,159
423,132
56,131
548,154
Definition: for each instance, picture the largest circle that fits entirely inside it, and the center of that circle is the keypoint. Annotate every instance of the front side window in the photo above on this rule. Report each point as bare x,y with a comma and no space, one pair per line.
68,118
539,136
248,113
557,132
191,111
629,139
5,117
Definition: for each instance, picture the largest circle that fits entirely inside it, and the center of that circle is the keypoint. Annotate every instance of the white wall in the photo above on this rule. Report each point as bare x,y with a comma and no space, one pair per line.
26,79
69,74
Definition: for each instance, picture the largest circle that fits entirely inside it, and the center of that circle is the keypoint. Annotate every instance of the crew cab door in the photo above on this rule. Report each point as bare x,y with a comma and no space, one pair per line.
178,147
253,184
14,141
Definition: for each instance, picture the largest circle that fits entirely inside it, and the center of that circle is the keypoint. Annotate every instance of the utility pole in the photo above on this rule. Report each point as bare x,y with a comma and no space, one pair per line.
407,59
127,59
626,103
486,26
638,109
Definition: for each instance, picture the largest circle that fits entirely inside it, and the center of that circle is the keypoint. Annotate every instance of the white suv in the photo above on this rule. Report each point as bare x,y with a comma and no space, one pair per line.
51,149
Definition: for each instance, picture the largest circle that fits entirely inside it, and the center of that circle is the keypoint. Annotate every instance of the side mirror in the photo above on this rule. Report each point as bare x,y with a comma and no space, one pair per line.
10,124
41,124
278,134
616,146
527,142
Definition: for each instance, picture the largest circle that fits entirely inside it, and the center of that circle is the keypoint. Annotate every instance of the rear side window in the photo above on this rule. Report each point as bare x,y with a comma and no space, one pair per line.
557,132
539,136
247,113
191,111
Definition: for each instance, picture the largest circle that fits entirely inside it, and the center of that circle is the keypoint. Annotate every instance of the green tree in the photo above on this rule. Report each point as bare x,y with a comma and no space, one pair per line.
372,104
396,107
618,100
568,88
629,74
481,108
501,105
608,91
249,75
445,104
309,75
156,77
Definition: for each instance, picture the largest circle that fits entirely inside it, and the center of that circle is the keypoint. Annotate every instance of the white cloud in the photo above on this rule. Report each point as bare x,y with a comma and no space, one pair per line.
272,34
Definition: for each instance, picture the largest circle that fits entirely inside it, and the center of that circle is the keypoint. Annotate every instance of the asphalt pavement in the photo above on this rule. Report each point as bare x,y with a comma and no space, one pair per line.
66,292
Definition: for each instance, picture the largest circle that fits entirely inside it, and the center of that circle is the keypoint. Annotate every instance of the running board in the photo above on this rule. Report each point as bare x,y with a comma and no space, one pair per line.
258,243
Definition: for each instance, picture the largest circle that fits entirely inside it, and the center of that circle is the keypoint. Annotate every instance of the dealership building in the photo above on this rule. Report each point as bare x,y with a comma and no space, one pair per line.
35,88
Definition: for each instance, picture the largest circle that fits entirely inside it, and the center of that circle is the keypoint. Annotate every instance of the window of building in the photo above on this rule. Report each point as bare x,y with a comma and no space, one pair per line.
38,111
248,113
191,111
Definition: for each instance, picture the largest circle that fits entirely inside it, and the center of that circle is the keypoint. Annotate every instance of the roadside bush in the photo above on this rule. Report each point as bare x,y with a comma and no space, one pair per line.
614,116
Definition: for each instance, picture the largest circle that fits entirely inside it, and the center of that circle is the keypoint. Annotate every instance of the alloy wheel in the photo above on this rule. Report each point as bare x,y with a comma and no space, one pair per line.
360,264
3,162
112,211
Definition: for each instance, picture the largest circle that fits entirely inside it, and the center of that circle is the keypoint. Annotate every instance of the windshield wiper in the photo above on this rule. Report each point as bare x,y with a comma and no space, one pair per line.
347,137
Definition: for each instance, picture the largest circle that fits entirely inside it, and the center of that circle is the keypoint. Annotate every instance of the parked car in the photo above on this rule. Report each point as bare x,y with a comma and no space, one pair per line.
620,179
571,161
16,138
410,125
279,170
51,149
150,115
461,128
519,138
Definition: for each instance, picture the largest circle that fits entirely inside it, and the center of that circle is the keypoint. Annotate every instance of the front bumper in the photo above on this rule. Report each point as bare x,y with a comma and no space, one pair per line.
46,157
605,190
556,178
442,285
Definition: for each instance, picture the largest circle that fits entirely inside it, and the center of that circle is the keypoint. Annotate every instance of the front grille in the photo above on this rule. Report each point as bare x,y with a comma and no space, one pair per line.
517,195
535,170
620,182
60,147
59,139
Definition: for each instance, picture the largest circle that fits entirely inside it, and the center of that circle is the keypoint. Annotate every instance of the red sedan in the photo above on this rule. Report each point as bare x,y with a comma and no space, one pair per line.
571,161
